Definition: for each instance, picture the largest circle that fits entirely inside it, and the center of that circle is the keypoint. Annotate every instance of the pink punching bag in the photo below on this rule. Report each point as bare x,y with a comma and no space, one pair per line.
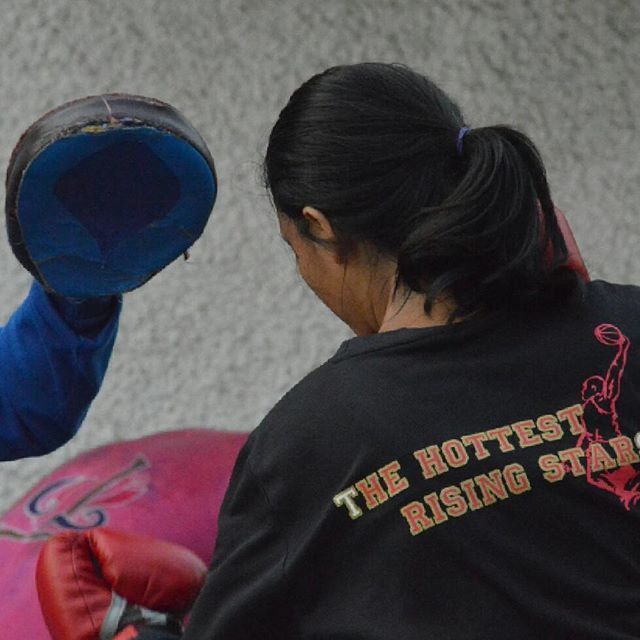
169,486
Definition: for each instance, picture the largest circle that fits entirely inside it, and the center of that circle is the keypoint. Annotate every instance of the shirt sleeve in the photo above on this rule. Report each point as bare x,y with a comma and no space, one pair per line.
53,357
244,595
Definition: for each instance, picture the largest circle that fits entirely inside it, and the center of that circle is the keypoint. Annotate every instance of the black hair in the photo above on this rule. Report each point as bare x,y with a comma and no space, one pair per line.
375,147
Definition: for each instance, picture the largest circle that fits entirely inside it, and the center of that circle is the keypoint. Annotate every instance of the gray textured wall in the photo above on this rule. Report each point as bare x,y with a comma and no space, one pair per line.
218,340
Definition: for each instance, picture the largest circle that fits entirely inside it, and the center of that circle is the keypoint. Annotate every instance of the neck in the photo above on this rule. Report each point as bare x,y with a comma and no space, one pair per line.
409,313
380,309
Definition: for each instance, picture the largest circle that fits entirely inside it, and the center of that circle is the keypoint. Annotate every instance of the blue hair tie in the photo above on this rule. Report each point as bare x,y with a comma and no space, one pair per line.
461,134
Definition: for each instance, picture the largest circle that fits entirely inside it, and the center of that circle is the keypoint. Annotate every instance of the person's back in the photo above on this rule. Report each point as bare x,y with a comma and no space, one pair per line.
473,480
469,465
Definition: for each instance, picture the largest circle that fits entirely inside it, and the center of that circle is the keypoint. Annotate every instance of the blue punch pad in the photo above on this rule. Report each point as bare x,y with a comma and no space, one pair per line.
107,198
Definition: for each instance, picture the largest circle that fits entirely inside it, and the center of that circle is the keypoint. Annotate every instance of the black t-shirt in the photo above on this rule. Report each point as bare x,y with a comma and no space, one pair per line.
476,480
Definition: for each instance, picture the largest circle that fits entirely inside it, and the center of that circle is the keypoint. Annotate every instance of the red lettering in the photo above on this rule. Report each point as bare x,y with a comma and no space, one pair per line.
553,469
572,457
439,515
455,453
430,461
573,415
550,428
500,434
524,432
417,518
467,487
599,459
372,491
395,483
623,448
515,477
491,487
477,440
453,501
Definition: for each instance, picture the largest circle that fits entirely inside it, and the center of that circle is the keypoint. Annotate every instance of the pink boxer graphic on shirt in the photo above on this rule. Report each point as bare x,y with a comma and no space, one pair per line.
600,396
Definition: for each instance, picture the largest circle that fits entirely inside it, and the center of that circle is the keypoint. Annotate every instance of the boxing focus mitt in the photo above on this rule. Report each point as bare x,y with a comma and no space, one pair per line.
104,192
103,584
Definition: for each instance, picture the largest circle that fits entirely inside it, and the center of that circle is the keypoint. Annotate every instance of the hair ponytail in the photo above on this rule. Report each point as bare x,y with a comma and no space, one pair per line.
377,148
494,239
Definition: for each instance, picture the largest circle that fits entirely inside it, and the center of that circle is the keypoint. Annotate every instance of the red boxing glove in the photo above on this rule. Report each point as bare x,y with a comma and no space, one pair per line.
95,583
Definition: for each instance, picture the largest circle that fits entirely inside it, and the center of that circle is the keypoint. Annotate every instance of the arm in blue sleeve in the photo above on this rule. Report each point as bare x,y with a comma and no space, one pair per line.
53,357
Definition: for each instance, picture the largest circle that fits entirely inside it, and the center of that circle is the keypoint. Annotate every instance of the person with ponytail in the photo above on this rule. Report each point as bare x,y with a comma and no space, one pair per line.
467,465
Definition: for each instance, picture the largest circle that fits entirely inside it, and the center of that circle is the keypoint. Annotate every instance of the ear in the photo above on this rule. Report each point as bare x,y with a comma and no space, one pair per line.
318,224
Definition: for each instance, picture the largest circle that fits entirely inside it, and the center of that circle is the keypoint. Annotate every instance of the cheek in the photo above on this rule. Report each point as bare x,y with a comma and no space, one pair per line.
320,277
309,271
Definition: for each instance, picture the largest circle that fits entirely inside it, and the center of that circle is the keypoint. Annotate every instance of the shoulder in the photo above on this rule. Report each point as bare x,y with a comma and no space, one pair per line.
609,302
612,294
320,395
310,427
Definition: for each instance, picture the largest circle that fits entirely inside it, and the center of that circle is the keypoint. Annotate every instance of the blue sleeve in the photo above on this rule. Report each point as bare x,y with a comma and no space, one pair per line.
53,357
